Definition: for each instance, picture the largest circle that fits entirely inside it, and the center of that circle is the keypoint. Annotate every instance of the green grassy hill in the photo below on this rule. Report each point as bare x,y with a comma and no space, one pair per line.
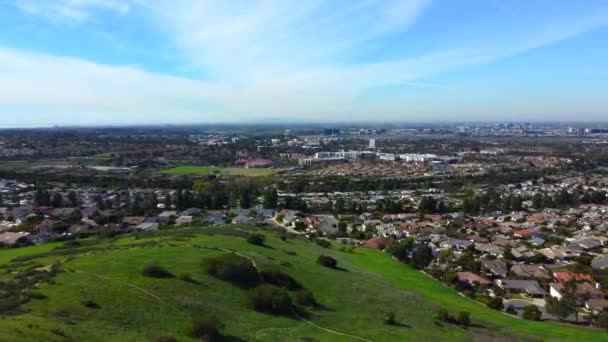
211,170
129,306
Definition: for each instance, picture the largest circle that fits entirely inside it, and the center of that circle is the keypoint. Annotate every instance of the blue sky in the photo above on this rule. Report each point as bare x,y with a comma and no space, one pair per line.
88,62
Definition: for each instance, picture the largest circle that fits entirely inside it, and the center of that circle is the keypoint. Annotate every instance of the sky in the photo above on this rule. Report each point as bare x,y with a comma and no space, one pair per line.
124,62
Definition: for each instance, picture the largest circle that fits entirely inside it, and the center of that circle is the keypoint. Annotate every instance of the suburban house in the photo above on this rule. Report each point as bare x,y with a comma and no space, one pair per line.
528,287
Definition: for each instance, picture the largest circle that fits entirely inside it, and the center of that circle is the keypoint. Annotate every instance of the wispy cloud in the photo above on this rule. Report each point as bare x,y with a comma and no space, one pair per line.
271,58
71,10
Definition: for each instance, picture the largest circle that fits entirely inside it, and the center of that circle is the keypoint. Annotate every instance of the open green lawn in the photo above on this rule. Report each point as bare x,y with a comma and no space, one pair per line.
133,307
210,170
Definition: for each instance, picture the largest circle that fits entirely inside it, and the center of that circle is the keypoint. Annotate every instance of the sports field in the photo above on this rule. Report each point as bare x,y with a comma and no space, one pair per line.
215,170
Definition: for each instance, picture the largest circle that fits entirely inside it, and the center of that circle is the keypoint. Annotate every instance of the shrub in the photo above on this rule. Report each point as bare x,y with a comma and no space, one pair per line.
233,268
464,318
495,303
91,304
323,243
270,299
166,338
441,315
602,320
532,313
207,328
511,310
256,239
280,279
305,298
389,318
185,277
156,271
327,261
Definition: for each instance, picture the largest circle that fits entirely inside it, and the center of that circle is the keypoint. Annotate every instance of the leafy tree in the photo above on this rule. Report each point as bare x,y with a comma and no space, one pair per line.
532,313
422,257
327,261
256,239
389,318
270,299
57,200
464,318
561,308
271,199
206,328
496,303
402,249
602,320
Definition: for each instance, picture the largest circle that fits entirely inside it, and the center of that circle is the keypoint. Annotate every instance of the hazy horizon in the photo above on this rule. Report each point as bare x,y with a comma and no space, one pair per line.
153,62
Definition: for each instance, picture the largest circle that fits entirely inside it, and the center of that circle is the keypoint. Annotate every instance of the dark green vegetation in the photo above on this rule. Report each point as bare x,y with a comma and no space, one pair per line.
96,291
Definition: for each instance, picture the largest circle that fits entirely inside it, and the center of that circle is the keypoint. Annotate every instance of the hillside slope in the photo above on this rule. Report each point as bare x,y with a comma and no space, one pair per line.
98,293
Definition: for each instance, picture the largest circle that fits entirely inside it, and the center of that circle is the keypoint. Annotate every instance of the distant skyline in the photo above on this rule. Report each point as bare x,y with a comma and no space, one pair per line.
125,62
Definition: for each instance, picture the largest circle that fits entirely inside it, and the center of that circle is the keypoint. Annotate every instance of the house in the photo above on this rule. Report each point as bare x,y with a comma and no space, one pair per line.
596,305
184,220
536,241
600,262
564,277
490,249
529,287
191,212
133,220
215,218
583,290
456,244
522,253
289,216
534,271
472,279
11,238
65,213
379,242
147,226
497,268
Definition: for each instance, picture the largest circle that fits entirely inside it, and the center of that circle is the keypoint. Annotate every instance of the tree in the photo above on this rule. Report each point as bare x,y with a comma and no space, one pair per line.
464,318
422,257
271,199
602,320
207,328
256,239
57,200
270,299
339,206
537,201
342,226
168,202
561,308
495,303
327,261
72,198
245,199
532,313
389,318
402,249
507,254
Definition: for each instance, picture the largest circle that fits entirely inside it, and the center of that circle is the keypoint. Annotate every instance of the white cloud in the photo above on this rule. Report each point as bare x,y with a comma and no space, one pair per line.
71,10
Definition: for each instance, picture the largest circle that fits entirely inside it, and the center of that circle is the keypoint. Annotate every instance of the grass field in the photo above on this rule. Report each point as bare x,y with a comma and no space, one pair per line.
210,170
136,308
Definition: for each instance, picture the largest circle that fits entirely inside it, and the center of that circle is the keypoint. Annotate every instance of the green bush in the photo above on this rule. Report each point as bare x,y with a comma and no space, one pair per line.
441,315
156,271
495,303
389,318
91,304
232,268
270,299
305,298
532,313
206,328
256,239
185,277
464,318
602,320
280,279
327,261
